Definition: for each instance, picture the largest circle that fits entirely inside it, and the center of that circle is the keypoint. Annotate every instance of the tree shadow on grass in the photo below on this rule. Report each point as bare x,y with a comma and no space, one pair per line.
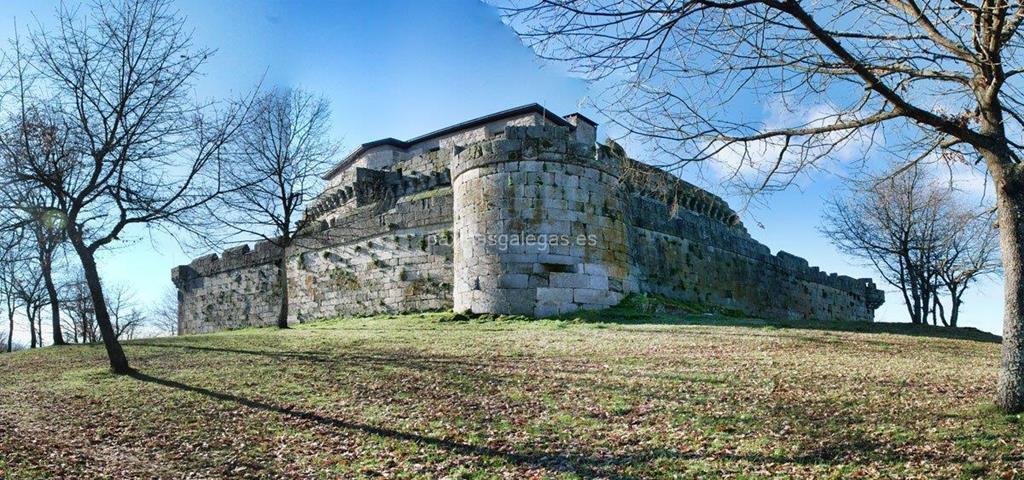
838,448
495,372
581,465
351,358
404,359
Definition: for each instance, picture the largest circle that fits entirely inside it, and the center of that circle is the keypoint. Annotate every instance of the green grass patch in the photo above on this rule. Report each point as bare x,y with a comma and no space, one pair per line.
649,389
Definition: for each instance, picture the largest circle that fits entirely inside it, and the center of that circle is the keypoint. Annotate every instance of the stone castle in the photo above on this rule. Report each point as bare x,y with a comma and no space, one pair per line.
517,212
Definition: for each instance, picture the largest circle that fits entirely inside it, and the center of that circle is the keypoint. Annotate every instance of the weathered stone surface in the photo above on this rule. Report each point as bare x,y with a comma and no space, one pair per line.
517,215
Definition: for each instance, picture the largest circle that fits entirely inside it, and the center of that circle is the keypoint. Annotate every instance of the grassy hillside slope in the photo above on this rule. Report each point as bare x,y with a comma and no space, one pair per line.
636,396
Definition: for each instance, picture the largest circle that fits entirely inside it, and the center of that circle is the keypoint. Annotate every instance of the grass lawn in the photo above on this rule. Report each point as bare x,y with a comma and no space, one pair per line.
618,395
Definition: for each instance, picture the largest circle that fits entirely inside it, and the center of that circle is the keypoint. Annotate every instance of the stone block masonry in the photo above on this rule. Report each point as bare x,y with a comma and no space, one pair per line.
538,181
235,290
519,212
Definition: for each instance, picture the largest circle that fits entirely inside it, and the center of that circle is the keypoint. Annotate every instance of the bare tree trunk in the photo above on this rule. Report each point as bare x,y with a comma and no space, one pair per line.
930,310
904,290
942,311
930,306
955,303
31,326
1010,201
916,315
118,360
10,330
51,290
282,275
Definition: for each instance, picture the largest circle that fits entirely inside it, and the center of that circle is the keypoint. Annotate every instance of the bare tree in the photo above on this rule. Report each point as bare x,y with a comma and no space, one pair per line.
281,152
79,312
13,258
936,79
886,226
48,235
145,153
34,136
32,293
127,319
9,294
12,240
165,314
919,236
36,213
970,252
21,283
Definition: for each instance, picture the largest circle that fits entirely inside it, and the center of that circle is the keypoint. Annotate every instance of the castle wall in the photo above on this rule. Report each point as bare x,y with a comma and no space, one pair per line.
531,220
381,258
237,289
537,182
696,259
398,260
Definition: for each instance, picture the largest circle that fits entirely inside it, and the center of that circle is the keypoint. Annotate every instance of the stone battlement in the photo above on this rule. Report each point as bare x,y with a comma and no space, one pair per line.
231,259
541,143
370,185
445,221
664,187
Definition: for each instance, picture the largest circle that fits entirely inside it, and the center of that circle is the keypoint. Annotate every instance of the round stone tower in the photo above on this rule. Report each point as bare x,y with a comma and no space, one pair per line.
539,224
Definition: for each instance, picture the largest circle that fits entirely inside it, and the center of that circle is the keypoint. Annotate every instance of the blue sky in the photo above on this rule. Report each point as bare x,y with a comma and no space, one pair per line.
402,68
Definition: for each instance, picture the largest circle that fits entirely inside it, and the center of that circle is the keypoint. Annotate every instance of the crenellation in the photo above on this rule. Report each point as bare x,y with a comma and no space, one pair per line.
445,221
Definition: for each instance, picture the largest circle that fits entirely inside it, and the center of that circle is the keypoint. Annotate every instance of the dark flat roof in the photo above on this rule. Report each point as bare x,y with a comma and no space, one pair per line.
476,122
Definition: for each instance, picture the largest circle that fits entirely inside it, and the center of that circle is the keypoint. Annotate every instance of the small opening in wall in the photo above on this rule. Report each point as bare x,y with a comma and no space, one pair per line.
558,267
